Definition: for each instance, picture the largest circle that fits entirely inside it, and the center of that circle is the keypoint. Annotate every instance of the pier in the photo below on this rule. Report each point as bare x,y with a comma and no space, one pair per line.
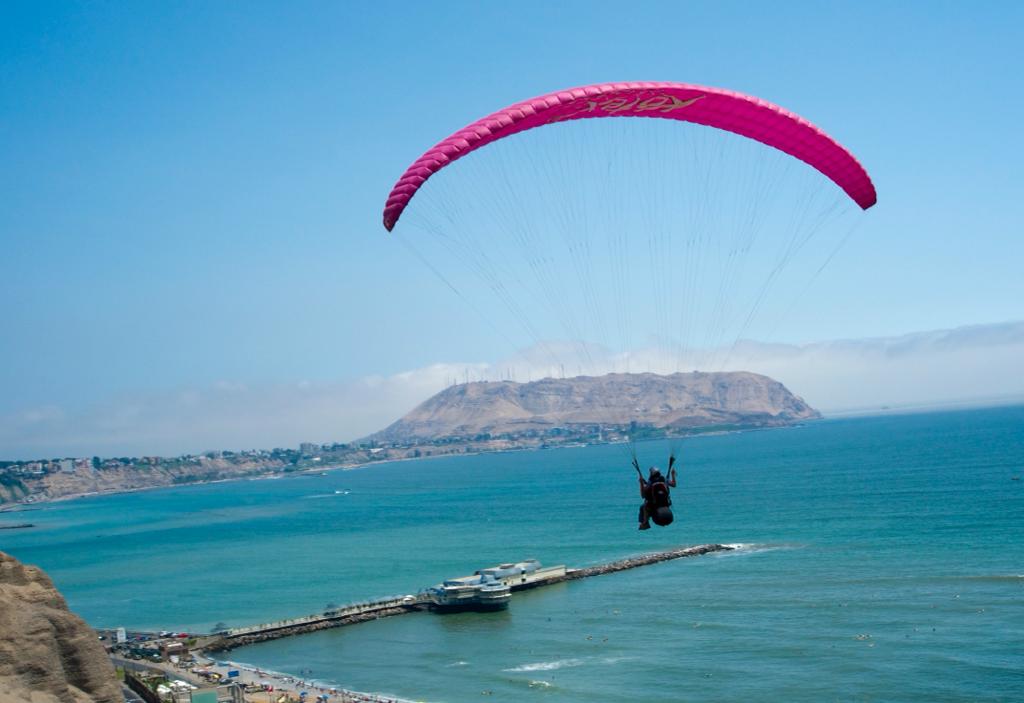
347,615
400,605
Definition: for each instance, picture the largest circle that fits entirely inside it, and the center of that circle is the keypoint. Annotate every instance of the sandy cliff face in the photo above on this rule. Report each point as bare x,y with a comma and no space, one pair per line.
13,491
86,480
682,400
47,653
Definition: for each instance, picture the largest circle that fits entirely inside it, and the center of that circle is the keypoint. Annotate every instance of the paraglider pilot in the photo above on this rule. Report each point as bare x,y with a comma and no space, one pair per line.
654,490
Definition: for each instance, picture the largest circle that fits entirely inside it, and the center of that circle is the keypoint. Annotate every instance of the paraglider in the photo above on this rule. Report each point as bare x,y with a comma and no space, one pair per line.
657,505
672,212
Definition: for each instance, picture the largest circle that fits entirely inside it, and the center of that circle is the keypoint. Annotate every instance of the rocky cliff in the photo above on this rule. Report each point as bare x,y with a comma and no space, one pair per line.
679,401
47,653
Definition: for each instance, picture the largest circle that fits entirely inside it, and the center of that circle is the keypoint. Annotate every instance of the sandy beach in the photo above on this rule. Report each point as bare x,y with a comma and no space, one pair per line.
284,688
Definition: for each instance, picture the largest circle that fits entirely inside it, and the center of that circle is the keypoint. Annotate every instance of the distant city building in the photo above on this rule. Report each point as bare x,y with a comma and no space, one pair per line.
308,448
67,466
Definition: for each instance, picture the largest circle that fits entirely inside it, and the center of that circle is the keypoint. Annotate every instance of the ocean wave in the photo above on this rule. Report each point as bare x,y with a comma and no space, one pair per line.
615,660
547,666
737,548
458,663
980,577
565,664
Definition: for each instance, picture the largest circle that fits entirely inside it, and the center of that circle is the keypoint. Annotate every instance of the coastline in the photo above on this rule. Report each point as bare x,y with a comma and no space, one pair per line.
26,506
294,685
29,505
274,683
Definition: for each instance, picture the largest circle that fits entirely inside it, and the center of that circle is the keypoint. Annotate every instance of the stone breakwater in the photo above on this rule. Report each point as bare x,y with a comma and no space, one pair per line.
374,610
645,560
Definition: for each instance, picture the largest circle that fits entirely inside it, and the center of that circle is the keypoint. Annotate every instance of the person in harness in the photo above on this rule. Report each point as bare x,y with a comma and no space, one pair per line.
657,505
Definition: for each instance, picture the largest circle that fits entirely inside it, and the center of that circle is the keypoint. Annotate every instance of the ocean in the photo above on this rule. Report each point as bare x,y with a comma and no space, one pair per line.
882,560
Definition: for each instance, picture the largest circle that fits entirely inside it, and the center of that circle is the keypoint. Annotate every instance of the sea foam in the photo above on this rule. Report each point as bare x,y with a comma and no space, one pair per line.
547,666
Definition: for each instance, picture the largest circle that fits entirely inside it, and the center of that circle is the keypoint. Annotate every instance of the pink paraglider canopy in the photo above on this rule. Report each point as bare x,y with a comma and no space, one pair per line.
713,107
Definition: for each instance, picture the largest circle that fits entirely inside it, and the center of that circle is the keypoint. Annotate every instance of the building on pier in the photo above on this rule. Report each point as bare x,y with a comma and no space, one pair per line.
490,589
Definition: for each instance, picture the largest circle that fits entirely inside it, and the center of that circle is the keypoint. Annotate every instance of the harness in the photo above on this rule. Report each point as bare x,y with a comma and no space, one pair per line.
658,495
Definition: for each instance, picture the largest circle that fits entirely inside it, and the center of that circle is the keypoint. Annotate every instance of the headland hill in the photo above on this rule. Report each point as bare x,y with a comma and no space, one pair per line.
484,416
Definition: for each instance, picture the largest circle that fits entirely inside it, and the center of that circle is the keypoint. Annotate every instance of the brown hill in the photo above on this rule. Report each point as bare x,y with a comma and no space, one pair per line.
679,401
47,653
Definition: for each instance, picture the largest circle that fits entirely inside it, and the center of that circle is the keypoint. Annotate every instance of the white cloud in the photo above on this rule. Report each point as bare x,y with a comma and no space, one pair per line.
927,368
984,361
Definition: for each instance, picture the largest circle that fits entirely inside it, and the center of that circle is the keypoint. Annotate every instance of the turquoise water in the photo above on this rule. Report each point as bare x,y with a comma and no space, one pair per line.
885,563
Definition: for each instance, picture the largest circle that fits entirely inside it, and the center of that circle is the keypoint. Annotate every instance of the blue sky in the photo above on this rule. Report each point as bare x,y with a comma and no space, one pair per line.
191,192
